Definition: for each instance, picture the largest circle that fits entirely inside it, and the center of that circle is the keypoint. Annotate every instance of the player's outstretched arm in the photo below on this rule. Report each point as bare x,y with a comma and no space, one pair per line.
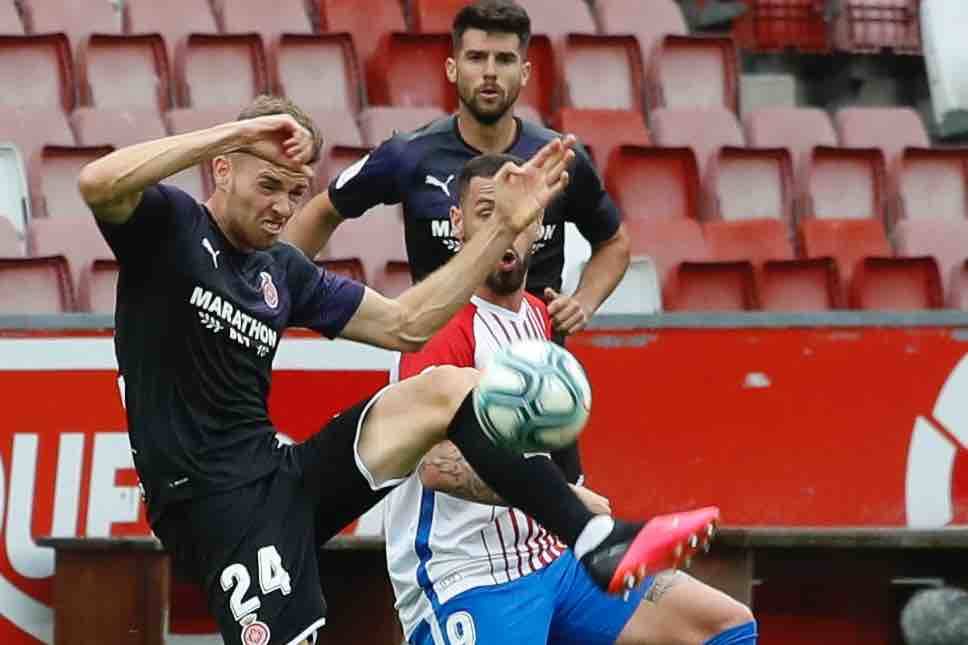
520,195
112,185
311,228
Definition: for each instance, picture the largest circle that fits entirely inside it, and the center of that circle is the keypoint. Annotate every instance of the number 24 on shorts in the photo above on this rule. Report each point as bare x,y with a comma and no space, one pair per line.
272,576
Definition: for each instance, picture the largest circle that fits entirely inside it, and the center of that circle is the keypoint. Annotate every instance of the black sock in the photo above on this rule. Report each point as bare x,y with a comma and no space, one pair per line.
535,485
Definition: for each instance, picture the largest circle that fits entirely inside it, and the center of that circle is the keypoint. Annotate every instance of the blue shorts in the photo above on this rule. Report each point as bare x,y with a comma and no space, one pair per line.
559,605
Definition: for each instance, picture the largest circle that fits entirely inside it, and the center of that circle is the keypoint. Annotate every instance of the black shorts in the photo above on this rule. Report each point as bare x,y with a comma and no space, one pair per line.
254,549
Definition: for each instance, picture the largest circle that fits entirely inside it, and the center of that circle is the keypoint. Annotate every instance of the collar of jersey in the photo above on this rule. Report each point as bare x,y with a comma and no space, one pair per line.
481,303
514,142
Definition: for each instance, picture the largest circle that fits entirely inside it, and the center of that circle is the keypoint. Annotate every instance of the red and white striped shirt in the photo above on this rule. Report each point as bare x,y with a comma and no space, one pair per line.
438,545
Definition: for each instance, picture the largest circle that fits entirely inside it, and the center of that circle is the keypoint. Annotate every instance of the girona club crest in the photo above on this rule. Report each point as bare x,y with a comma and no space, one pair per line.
269,290
256,633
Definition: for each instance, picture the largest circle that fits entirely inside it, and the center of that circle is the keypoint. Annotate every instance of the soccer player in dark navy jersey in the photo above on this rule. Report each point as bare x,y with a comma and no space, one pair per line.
204,294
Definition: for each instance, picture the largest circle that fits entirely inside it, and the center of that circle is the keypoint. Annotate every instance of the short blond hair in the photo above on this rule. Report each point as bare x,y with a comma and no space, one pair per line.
267,105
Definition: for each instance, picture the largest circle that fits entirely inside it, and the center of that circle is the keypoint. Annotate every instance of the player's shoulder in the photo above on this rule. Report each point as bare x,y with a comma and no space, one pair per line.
536,303
433,133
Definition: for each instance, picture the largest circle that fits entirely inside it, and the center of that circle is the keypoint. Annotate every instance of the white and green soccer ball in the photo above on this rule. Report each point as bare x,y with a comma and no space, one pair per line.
533,396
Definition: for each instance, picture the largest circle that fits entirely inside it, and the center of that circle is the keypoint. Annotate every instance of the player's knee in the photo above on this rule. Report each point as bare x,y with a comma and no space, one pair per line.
732,614
447,386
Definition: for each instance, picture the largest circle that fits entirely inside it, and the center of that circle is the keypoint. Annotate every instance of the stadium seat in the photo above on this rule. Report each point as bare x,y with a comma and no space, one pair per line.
704,130
379,123
76,238
197,181
958,292
318,70
97,291
556,18
603,72
53,178
12,242
684,71
649,22
775,25
394,279
933,184
434,16
36,72
848,241
35,286
898,284
117,127
542,91
31,128
755,240
638,292
944,239
871,26
890,129
338,126
712,286
408,71
335,160
174,21
799,285
76,18
351,268
750,183
654,183
799,130
602,131
667,241
367,27
14,191
271,19
845,183
212,70
10,23
124,71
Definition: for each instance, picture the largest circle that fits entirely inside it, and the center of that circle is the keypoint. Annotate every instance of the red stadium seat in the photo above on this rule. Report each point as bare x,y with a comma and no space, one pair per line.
118,127
704,130
36,72
654,183
890,129
336,159
556,18
318,70
900,284
848,241
124,71
367,27
11,241
174,21
35,286
395,279
97,291
755,240
379,123
800,285
53,178
693,72
434,16
408,71
876,25
750,183
845,183
944,239
603,72
542,89
76,18
712,286
799,130
197,181
774,25
76,238
338,127
351,268
31,128
667,241
10,23
649,22
601,131
220,70
933,184
271,19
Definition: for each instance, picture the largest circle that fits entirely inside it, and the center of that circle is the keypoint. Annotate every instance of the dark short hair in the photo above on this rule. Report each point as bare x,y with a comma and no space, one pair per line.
482,166
493,16
267,105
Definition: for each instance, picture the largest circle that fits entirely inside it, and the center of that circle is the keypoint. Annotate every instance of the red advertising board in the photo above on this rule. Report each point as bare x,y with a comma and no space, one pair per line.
811,426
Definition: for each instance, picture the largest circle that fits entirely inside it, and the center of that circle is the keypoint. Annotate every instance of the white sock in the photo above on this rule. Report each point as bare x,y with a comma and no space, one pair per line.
593,534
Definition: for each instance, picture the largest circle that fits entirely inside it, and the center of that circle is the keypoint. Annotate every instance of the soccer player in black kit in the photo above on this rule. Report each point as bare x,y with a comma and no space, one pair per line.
204,294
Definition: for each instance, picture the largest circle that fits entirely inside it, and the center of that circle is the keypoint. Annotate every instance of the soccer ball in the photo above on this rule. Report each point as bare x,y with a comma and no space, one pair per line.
533,396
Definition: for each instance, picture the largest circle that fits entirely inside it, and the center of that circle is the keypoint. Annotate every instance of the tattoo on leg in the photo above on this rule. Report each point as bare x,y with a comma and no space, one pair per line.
663,583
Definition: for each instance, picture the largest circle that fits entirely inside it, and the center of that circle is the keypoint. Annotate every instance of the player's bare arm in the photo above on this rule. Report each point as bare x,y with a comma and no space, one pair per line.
311,228
112,185
604,270
519,194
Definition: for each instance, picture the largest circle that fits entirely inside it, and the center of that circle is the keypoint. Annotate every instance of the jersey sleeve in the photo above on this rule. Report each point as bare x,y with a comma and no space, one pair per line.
374,179
452,345
588,205
135,239
321,300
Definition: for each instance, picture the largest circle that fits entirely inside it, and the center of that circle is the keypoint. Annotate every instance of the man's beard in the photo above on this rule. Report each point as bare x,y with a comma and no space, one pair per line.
488,118
504,283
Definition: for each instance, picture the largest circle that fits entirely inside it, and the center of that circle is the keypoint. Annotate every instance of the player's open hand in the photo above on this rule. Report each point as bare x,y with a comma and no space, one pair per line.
521,193
567,314
279,139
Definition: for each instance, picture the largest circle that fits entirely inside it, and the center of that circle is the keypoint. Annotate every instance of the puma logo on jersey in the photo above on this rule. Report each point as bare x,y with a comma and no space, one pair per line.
443,185
208,247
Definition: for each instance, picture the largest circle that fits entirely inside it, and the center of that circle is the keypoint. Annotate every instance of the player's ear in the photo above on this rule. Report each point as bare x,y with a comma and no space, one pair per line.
456,223
451,68
221,171
525,73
